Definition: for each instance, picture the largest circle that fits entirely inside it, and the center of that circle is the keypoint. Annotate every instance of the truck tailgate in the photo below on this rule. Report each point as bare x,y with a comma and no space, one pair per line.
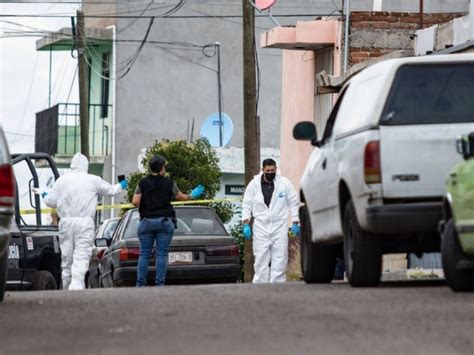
416,159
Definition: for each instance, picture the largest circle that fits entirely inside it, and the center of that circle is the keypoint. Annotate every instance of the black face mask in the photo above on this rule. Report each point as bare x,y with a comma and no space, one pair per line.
270,176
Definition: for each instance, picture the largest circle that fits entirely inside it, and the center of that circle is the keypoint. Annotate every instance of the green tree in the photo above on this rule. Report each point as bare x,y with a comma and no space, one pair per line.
188,164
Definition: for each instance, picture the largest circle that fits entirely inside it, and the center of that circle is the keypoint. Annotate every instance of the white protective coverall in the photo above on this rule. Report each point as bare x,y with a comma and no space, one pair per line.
74,195
270,227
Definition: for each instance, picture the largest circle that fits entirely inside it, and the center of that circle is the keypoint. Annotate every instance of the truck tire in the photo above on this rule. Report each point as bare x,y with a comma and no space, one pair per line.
451,251
362,256
44,280
318,262
3,274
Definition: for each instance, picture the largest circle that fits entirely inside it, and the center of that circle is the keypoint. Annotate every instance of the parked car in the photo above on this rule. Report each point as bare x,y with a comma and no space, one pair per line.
201,251
7,202
104,231
457,244
34,261
374,183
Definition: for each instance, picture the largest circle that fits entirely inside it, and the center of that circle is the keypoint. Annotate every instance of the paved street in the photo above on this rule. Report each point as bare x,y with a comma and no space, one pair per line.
293,318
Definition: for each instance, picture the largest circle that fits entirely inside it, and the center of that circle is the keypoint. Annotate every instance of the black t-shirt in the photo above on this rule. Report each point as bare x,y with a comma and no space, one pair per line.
157,193
267,191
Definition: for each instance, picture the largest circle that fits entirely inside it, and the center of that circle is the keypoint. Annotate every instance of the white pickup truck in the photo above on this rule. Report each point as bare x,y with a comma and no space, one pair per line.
374,182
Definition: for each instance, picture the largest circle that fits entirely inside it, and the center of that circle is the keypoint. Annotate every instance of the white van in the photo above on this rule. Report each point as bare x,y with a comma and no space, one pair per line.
375,180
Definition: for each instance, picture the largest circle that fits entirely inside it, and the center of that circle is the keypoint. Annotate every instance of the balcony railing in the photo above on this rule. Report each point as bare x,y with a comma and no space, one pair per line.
58,131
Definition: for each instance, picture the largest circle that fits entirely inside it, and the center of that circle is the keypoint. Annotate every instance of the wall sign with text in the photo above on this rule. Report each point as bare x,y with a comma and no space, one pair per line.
234,189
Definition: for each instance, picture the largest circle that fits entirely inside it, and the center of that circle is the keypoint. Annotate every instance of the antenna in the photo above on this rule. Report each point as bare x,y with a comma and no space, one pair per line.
264,5
218,130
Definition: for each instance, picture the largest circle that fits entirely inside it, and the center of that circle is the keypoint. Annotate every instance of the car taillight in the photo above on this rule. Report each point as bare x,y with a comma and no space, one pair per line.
129,253
100,254
372,166
231,250
7,186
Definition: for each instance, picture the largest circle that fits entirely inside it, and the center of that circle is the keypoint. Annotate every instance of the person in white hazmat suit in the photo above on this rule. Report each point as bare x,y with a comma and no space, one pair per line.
74,195
269,198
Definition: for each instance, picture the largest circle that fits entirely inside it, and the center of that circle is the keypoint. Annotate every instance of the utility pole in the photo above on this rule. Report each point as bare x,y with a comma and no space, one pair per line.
83,84
421,14
251,144
219,90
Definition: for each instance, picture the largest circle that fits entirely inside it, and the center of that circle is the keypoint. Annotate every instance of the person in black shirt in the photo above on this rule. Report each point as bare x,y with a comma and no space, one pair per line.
153,197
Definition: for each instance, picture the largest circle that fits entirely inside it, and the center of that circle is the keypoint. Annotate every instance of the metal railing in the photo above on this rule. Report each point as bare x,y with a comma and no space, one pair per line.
58,130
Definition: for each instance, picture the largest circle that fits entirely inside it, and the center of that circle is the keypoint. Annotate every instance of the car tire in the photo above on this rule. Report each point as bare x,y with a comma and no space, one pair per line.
451,251
362,255
318,262
44,280
3,274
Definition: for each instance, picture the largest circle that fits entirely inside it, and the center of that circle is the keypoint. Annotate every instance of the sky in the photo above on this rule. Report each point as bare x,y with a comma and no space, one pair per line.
24,72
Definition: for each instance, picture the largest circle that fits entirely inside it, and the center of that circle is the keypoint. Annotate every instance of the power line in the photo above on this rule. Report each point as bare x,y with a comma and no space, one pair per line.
170,17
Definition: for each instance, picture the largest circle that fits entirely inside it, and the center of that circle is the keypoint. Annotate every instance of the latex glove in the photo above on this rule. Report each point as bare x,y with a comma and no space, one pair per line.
247,231
197,192
37,191
295,229
124,184
44,194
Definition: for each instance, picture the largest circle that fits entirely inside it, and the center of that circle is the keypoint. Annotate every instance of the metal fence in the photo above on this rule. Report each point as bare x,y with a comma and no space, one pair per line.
58,130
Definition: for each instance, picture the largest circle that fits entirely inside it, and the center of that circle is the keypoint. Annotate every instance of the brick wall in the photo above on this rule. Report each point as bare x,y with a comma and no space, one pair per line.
373,34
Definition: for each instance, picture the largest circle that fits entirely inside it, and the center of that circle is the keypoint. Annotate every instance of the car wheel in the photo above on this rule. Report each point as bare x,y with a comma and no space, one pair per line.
44,280
362,256
3,274
457,280
318,262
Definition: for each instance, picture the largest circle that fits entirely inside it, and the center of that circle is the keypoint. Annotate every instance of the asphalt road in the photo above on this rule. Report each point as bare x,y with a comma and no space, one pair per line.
293,318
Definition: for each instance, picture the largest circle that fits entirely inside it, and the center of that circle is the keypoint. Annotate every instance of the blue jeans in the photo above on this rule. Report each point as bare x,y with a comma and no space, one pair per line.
151,229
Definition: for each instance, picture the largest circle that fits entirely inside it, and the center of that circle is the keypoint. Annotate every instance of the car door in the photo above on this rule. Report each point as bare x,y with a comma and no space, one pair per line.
34,229
322,168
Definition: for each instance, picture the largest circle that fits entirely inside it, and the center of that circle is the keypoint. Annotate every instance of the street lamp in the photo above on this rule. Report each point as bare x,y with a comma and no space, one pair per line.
217,50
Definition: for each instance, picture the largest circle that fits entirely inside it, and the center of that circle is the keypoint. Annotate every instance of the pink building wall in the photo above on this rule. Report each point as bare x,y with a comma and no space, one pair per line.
300,45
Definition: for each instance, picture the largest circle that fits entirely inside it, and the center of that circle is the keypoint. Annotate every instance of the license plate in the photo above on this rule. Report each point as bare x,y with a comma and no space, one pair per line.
180,257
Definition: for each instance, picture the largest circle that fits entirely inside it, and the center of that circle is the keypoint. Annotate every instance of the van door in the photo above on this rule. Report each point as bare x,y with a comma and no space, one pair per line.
428,107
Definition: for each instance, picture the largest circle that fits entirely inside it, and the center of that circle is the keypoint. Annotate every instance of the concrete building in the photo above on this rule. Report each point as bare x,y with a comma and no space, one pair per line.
455,36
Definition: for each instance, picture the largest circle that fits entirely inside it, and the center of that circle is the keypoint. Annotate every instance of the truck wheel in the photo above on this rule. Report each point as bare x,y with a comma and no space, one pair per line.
362,256
44,280
457,280
3,274
318,262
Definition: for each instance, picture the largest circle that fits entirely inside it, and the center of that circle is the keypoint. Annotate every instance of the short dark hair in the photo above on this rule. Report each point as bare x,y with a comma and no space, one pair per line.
156,163
268,162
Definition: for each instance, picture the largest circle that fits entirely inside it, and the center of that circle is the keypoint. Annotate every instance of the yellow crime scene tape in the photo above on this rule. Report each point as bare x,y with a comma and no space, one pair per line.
129,205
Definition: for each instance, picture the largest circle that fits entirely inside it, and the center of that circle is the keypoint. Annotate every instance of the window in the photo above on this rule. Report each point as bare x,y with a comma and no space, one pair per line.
431,94
104,97
323,102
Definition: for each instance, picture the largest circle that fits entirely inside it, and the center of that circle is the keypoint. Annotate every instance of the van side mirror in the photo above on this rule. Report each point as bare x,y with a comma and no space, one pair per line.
305,131
102,242
465,145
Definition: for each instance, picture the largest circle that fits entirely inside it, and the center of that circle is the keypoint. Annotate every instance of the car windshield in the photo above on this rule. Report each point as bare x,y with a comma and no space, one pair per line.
190,222
431,94
109,228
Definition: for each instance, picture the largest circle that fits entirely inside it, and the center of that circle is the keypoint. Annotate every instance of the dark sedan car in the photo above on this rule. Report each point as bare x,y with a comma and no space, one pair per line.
201,251
104,231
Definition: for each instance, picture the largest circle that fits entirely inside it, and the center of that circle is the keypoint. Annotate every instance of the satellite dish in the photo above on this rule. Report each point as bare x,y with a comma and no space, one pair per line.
210,129
264,4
